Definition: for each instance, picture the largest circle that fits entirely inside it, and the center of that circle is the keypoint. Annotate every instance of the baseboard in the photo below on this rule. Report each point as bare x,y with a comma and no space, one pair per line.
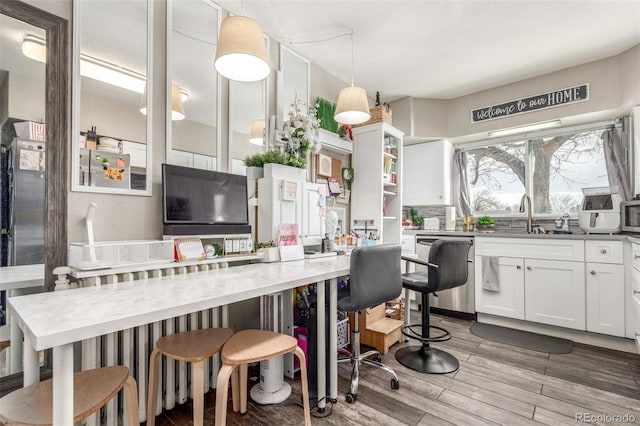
593,339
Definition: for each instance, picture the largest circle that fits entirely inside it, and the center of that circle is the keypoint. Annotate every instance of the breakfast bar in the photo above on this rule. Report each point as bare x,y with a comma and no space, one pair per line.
58,319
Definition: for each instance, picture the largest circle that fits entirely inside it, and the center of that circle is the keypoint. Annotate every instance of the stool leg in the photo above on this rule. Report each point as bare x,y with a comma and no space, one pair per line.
197,387
154,372
305,385
243,387
131,398
235,389
222,393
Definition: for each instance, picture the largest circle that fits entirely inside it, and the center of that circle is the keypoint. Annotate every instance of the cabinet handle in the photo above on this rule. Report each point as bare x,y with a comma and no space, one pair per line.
603,251
636,256
518,267
593,272
636,292
529,268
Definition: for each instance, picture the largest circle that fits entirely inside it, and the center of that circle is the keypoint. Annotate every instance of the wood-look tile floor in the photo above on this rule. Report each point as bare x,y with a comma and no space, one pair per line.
496,384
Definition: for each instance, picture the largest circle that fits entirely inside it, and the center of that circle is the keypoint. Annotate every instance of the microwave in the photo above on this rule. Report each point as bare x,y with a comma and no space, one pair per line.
631,216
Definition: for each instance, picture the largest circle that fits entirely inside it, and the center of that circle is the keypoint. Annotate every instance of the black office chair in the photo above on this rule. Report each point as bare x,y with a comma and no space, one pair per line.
375,278
447,268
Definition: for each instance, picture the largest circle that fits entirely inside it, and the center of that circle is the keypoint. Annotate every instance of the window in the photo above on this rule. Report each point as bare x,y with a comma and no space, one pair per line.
551,170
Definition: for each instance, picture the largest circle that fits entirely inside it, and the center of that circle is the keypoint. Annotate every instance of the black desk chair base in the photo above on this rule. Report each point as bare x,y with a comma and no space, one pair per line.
427,360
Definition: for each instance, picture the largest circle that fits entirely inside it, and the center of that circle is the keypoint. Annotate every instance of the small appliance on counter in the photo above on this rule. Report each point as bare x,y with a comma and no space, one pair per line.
600,210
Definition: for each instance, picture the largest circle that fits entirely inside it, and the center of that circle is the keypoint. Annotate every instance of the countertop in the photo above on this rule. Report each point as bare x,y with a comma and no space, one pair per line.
506,234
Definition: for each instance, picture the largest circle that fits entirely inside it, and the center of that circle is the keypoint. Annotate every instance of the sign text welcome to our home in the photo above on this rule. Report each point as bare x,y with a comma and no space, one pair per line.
533,103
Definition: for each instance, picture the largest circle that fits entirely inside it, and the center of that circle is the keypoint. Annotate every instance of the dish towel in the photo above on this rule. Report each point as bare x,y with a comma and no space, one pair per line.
490,274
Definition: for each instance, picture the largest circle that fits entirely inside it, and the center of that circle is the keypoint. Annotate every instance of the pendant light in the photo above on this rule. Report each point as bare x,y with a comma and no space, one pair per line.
241,54
257,134
177,108
352,106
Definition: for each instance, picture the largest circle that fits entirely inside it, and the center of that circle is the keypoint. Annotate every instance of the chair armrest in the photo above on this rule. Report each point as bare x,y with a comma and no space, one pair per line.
418,261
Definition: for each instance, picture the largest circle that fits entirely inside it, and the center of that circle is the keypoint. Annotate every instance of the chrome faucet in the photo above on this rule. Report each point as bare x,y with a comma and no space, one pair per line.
525,198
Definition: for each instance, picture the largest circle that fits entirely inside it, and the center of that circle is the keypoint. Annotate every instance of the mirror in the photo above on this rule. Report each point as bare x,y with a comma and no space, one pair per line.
111,143
248,126
191,46
295,81
49,77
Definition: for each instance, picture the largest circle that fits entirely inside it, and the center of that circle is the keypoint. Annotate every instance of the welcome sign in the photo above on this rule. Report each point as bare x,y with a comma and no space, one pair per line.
533,103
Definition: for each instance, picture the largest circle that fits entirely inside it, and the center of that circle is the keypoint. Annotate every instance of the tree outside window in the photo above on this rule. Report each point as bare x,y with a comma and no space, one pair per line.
559,167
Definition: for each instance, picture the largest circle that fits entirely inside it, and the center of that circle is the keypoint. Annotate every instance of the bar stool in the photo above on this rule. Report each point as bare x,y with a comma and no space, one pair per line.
193,346
248,346
92,389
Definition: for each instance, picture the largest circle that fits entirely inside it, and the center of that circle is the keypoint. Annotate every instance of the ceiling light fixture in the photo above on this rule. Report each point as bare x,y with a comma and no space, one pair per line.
241,54
35,47
352,106
257,134
177,109
523,129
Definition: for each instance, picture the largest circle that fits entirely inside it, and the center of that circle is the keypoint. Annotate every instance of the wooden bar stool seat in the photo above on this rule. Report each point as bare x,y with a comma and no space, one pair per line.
92,389
249,346
193,346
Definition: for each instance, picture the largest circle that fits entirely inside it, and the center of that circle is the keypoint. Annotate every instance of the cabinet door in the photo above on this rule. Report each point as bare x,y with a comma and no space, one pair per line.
605,298
137,153
508,301
273,210
312,224
181,158
427,169
555,293
205,162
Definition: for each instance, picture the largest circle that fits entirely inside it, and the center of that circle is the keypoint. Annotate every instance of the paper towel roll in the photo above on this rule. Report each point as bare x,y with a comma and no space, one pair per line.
450,219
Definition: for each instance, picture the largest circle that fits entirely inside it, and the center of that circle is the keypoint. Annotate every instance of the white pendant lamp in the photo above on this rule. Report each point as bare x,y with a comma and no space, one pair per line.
352,106
241,54
256,136
177,108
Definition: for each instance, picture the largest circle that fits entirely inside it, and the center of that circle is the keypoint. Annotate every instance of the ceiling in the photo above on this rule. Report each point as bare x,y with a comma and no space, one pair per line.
443,49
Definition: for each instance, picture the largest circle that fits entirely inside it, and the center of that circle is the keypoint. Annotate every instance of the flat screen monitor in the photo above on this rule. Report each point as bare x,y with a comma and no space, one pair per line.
196,196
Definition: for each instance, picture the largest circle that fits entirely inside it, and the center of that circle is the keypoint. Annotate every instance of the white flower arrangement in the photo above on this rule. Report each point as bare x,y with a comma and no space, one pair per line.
299,134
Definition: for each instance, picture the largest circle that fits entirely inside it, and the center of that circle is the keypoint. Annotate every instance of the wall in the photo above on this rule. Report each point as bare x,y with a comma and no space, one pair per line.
613,88
25,97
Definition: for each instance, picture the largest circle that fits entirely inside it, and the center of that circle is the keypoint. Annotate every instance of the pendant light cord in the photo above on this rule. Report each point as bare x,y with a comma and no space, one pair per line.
352,61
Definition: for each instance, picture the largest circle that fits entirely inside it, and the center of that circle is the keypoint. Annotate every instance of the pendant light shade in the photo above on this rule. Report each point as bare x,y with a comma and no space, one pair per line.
352,107
241,54
256,136
177,108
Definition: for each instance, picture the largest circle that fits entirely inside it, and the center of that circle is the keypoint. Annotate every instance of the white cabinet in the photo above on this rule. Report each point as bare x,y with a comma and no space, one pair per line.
605,287
508,301
554,293
632,292
427,173
539,280
189,159
137,153
313,228
377,163
303,210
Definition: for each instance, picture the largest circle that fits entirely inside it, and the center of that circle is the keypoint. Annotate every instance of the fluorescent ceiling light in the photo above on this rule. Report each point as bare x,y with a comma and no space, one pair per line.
35,47
523,129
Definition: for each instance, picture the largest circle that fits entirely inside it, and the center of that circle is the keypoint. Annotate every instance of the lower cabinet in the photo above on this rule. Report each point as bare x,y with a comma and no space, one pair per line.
605,299
508,300
554,293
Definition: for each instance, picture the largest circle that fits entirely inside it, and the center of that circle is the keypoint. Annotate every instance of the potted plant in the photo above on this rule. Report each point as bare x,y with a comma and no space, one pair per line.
416,219
269,251
485,223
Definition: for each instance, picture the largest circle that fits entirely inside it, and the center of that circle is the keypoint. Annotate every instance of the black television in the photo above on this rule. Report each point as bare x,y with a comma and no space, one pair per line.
196,201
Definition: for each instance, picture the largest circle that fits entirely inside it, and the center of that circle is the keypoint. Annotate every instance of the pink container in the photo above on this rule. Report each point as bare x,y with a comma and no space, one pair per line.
301,334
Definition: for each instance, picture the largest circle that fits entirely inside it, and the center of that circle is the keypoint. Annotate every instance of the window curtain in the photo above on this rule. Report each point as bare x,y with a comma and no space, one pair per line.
460,183
614,159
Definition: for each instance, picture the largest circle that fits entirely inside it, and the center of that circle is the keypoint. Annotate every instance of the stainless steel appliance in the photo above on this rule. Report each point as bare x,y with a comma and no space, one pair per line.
105,168
26,207
459,301
631,215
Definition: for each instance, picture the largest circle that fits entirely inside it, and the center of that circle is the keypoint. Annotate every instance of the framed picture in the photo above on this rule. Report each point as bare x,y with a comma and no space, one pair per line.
289,190
344,197
324,165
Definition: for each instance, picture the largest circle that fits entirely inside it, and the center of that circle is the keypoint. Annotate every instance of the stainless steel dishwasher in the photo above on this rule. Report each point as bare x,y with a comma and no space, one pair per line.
459,301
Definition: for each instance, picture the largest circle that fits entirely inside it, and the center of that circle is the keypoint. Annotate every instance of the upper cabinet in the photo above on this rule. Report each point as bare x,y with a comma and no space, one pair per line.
376,200
427,173
193,85
111,145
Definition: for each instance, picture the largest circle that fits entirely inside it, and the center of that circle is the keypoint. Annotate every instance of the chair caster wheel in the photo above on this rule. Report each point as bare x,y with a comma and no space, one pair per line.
395,384
351,398
378,358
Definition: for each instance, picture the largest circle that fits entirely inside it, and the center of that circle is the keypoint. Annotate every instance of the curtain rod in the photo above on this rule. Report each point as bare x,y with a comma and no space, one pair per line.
557,131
